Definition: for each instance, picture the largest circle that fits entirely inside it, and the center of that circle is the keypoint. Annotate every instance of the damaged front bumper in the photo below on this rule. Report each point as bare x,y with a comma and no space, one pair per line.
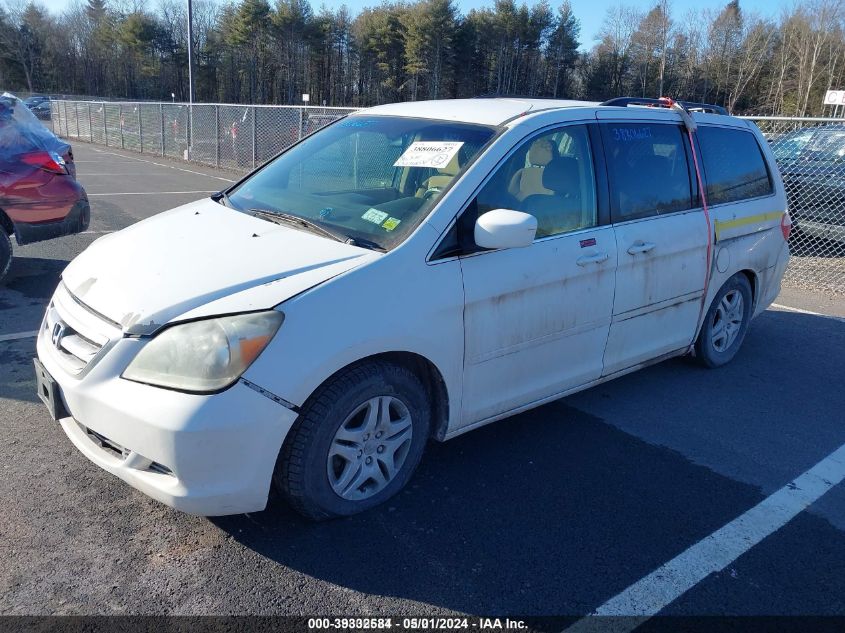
205,454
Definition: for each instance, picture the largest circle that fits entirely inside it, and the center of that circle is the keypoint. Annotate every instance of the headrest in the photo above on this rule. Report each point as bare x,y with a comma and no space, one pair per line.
561,175
541,152
452,167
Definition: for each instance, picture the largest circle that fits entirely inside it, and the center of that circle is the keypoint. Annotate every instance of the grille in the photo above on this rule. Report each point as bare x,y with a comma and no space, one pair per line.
76,334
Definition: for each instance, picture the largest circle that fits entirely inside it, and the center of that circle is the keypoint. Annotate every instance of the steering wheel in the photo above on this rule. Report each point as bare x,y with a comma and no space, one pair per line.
431,191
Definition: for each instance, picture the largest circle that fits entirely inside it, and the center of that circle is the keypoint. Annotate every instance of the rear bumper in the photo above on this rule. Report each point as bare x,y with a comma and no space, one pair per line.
77,220
770,280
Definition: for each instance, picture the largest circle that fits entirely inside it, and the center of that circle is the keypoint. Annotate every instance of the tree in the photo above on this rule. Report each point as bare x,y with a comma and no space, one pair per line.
562,52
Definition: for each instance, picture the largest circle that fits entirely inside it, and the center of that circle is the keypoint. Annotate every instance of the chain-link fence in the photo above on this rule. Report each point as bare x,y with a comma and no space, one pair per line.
809,151
238,137
811,155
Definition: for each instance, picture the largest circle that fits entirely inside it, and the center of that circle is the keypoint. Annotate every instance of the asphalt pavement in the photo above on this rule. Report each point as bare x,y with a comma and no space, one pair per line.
554,511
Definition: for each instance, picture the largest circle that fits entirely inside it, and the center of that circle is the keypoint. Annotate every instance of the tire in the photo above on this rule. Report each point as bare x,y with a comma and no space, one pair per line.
716,346
331,435
84,215
5,253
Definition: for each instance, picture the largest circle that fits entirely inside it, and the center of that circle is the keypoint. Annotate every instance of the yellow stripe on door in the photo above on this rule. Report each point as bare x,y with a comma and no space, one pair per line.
751,219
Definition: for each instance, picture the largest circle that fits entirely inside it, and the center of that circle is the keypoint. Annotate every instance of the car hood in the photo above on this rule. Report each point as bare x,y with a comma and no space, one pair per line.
201,259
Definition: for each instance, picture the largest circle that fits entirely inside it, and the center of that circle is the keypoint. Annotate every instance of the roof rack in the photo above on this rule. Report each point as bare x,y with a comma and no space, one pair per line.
689,106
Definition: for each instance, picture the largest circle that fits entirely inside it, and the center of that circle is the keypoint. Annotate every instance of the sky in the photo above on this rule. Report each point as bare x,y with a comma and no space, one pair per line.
590,12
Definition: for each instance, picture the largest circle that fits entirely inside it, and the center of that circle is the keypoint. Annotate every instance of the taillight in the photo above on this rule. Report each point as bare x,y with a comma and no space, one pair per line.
786,225
48,161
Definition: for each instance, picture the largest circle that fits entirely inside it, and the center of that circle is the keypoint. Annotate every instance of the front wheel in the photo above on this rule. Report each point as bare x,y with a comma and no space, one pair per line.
725,323
356,443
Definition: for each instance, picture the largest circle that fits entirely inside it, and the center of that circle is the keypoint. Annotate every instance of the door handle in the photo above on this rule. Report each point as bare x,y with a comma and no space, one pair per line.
641,247
597,258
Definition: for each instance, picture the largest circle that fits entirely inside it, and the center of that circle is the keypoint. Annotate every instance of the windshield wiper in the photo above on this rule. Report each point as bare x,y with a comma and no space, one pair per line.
288,218
359,241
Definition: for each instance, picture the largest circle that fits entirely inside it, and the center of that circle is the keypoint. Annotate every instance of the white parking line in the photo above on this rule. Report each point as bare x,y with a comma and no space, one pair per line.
152,162
802,311
647,597
96,232
18,336
148,193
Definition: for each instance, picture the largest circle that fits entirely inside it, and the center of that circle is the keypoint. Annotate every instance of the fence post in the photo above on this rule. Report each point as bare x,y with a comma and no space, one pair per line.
217,136
254,136
161,121
140,131
301,119
90,125
76,116
120,121
105,124
64,107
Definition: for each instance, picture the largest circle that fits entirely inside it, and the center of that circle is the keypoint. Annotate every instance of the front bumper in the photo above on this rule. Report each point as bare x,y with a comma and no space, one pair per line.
202,454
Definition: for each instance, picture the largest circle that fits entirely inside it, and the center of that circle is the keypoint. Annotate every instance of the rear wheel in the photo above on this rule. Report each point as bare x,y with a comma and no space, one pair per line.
5,253
356,442
725,323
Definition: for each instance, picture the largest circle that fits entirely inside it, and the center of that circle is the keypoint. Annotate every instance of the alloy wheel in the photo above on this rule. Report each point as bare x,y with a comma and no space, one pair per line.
727,320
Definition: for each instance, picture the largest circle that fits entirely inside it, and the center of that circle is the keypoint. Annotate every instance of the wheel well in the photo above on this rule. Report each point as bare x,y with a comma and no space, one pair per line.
431,379
752,280
6,223
430,376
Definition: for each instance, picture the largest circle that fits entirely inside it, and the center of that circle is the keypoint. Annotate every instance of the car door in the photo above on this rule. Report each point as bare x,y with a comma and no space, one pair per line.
536,319
661,238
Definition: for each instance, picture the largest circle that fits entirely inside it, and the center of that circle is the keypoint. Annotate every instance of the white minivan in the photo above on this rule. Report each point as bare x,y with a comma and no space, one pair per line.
411,271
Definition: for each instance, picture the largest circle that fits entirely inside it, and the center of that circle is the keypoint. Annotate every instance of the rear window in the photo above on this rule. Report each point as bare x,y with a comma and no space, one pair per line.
648,169
733,164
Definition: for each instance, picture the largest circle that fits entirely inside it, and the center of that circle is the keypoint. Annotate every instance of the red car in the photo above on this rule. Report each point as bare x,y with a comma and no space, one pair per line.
40,198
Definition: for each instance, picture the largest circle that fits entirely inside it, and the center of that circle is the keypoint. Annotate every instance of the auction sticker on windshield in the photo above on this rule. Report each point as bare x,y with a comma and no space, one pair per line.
428,154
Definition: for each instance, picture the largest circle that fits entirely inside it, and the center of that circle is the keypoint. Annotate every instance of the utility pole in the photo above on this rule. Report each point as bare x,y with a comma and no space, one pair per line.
190,77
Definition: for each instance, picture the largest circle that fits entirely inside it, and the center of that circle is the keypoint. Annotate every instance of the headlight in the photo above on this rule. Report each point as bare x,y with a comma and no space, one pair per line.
204,355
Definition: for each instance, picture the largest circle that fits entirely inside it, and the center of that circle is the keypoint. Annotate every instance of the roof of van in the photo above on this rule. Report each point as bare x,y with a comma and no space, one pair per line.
486,111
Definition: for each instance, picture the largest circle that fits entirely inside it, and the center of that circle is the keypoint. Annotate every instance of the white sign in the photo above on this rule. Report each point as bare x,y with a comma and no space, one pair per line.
428,154
306,96
834,97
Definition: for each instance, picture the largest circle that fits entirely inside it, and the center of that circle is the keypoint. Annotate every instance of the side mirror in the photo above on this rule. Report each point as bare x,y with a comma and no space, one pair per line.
504,228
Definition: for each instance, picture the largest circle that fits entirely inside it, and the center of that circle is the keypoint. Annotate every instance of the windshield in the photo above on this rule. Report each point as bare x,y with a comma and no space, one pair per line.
788,146
371,179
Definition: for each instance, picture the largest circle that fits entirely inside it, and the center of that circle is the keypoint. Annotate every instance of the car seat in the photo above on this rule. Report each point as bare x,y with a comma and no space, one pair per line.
560,210
528,181
441,179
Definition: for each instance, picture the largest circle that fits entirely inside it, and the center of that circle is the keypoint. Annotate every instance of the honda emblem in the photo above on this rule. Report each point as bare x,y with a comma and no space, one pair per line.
57,334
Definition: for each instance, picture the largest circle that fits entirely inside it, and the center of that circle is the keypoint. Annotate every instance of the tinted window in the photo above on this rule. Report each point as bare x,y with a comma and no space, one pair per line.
551,177
648,169
733,165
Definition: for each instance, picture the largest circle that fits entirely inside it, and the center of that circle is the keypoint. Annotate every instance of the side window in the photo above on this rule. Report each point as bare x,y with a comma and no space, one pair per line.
551,177
648,169
733,164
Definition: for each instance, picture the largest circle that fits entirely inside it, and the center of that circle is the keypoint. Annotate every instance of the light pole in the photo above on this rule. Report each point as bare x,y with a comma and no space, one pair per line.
190,76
